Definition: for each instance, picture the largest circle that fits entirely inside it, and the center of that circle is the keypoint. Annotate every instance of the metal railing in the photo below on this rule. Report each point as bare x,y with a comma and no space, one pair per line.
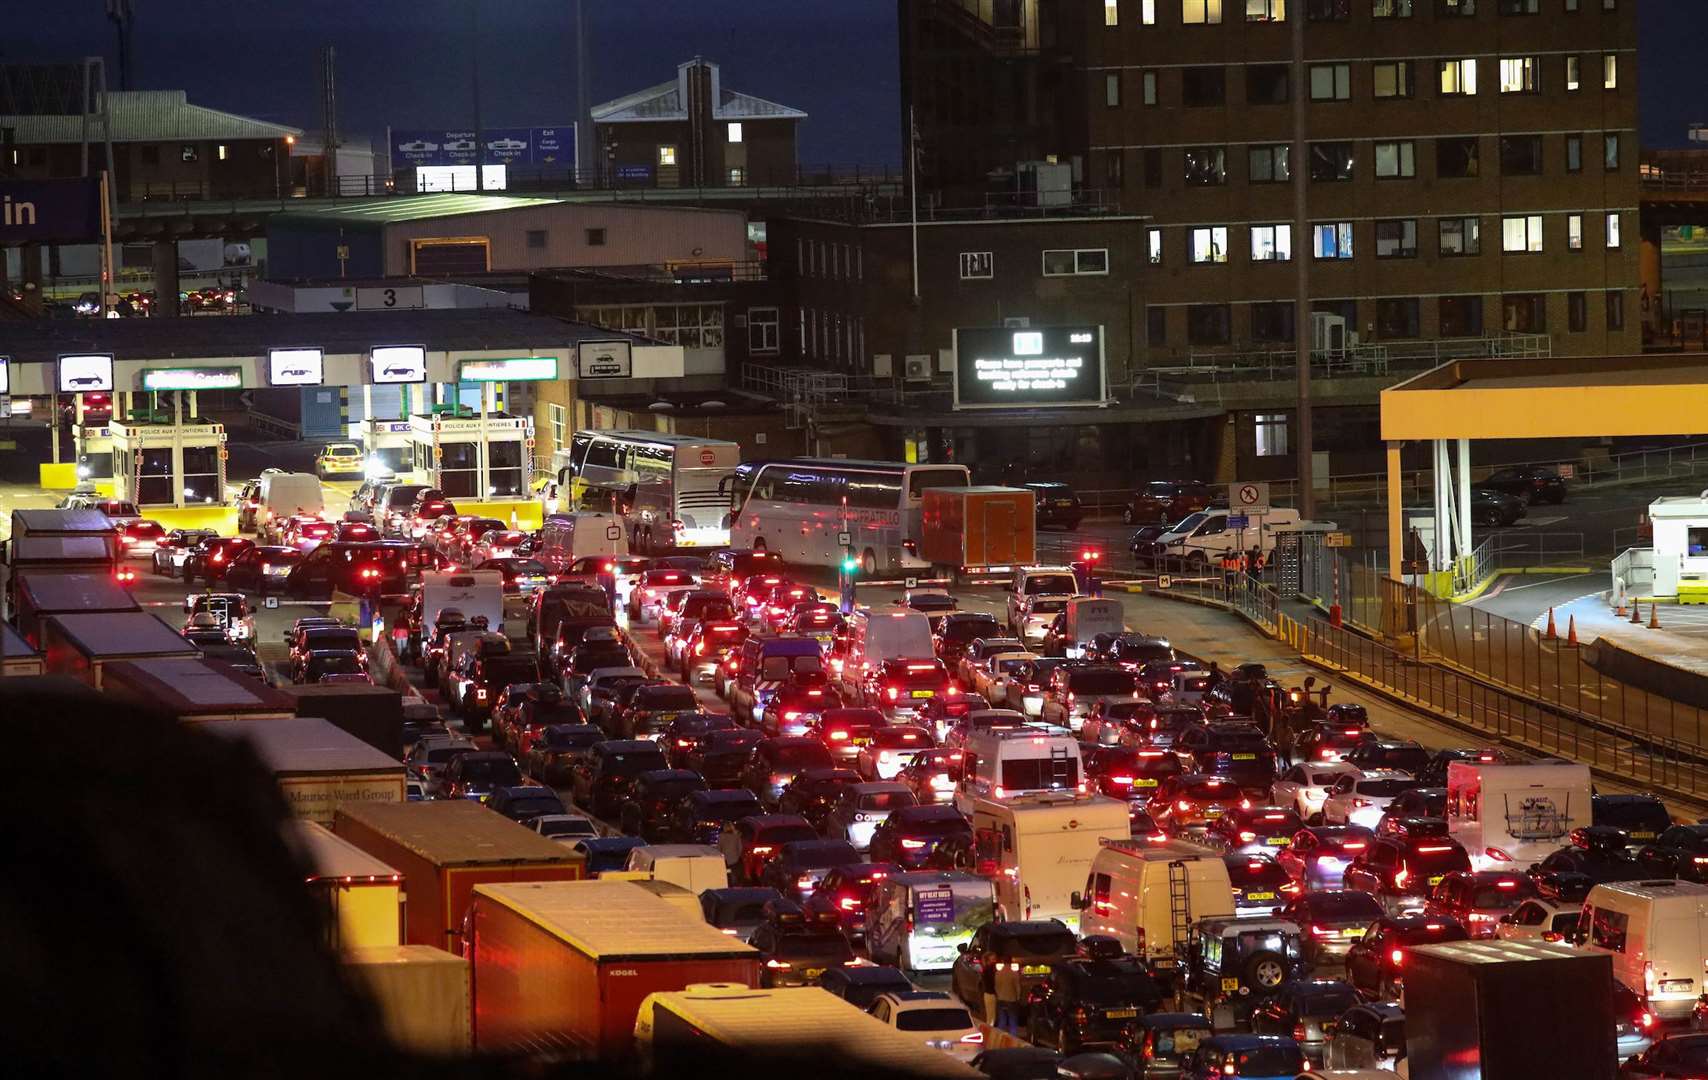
1633,735
1632,573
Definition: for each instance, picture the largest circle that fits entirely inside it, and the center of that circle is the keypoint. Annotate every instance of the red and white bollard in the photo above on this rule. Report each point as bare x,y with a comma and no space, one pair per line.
1334,606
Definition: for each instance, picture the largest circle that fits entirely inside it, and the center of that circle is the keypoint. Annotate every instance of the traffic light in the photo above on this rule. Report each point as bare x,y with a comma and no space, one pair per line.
850,564
1090,555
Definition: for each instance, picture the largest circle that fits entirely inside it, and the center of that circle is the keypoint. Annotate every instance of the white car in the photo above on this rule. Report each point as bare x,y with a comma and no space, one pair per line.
566,829
933,1017
648,596
1537,919
1036,613
1360,798
990,679
496,544
1304,787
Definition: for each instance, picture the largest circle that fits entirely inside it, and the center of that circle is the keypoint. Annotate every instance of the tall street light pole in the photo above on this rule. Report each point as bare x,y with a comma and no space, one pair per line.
1303,249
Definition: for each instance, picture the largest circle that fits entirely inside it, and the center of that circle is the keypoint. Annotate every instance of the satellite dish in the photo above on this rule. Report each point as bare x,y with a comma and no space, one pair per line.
713,404
660,406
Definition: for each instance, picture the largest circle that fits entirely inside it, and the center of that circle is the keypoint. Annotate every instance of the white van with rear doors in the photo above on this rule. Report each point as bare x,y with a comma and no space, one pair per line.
876,636
1657,934
1146,895
1037,851
1014,762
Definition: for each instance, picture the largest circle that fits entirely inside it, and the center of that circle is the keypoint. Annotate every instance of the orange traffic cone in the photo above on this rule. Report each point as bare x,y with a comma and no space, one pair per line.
1636,613
1654,616
1551,633
1572,631
1619,608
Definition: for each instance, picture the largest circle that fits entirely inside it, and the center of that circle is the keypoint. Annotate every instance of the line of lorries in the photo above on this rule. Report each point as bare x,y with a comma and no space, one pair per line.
1222,875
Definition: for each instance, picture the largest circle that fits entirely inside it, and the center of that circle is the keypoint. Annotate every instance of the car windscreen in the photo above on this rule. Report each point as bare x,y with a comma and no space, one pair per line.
1048,607
665,698
801,756
1345,904
558,739
534,805
1116,988
567,827
1049,583
1407,758
939,826
1093,681
887,800
738,912
439,755
775,835
1516,891
964,630
510,669
1039,944
707,607
1384,789
1137,652
671,790
1253,872
831,948
632,762
724,741
944,1019
486,770
1634,816
729,810
916,676
1327,1001
1270,1061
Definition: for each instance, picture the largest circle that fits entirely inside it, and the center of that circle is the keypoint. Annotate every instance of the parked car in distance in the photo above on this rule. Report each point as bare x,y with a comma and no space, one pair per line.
1535,484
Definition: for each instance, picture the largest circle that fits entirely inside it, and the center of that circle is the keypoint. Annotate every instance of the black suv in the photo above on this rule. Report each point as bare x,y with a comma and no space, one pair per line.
1530,483
651,805
1642,818
603,780
1056,504
1092,999
1679,852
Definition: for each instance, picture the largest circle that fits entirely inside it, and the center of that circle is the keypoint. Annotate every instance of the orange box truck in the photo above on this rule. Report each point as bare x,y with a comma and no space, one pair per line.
567,965
972,530
444,849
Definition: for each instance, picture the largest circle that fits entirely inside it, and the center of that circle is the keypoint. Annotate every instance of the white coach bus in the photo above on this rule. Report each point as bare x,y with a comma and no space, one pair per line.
798,506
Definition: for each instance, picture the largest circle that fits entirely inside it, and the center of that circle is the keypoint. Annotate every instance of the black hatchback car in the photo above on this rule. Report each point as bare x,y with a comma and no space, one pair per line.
524,803
1533,484
1056,504
911,835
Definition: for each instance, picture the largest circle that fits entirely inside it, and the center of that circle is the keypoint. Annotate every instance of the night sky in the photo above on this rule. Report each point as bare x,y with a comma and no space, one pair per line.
406,63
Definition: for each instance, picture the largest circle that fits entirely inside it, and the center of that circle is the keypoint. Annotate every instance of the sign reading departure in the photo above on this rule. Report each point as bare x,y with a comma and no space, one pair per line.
85,371
508,369
1005,367
398,364
193,378
550,146
295,367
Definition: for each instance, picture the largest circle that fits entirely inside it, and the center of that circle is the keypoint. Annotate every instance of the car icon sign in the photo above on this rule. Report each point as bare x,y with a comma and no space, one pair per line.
397,369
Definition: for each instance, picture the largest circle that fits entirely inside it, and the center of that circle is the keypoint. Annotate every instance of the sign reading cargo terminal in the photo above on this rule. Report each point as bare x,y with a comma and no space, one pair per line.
1019,368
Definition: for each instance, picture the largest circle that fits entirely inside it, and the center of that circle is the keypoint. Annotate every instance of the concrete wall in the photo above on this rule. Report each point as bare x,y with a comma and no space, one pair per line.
633,236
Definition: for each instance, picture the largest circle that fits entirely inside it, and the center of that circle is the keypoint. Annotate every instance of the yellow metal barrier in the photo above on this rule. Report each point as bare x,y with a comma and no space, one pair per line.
58,477
222,519
528,514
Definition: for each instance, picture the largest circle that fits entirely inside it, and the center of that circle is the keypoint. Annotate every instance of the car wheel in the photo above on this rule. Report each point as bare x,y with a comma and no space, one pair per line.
1126,515
1266,971
1065,1042
1491,519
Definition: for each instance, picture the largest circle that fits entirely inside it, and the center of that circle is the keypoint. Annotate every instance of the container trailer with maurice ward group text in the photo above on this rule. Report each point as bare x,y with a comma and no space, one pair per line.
978,530
319,769
444,848
565,966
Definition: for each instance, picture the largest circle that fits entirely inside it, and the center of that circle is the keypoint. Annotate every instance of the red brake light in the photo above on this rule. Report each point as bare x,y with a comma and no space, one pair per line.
892,693
839,736
1121,781
1396,956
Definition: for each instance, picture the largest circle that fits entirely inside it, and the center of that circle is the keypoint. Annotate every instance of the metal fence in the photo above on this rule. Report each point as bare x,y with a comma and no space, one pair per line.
1623,732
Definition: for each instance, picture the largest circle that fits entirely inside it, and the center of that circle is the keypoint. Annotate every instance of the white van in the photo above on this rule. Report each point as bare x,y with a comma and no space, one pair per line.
565,538
695,867
1127,895
915,921
1657,934
1013,762
1509,816
1205,535
1037,851
284,495
1084,618
876,636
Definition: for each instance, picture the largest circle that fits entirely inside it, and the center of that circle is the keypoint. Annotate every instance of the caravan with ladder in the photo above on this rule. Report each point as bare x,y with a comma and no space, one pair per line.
1037,850
1147,896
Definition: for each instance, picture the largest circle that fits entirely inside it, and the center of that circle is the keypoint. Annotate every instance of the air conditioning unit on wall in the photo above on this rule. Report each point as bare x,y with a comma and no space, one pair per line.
918,369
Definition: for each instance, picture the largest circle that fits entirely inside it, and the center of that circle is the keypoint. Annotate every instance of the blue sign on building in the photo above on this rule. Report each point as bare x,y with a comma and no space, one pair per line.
503,146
